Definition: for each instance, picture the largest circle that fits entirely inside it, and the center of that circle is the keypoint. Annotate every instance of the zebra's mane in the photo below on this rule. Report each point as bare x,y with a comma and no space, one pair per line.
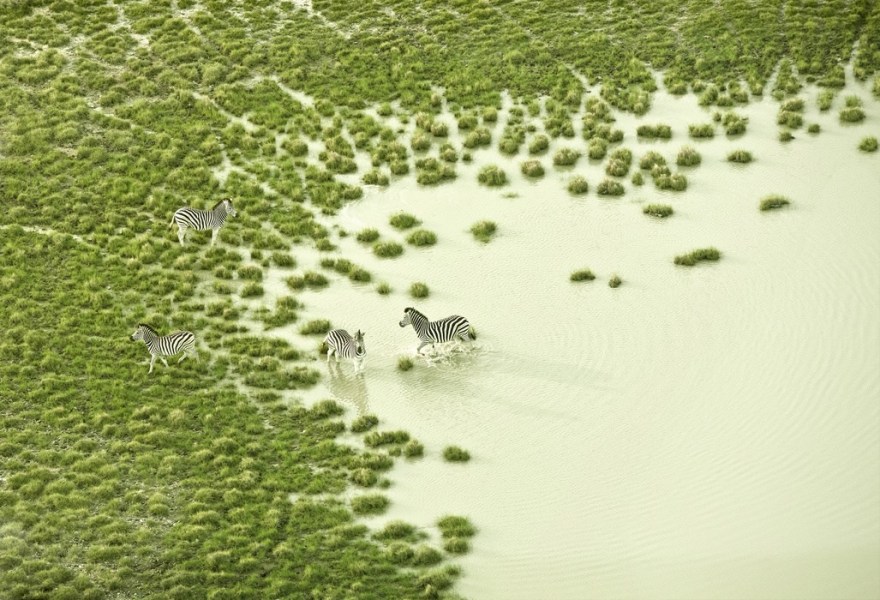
410,309
219,203
145,326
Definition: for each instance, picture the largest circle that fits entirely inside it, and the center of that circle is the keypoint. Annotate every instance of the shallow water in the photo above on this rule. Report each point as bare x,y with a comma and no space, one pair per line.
711,432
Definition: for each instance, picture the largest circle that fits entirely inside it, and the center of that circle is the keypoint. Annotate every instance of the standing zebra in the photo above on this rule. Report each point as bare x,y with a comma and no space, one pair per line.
165,345
200,220
442,330
341,342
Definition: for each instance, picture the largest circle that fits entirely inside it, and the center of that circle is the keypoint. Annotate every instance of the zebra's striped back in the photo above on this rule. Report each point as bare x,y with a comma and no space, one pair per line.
165,345
441,330
340,341
200,220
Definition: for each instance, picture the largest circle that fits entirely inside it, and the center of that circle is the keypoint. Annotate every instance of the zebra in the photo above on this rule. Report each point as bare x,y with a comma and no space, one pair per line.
341,342
442,330
200,220
165,345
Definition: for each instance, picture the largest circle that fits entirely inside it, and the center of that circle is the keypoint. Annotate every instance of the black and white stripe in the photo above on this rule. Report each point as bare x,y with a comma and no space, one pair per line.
165,345
200,220
339,341
431,332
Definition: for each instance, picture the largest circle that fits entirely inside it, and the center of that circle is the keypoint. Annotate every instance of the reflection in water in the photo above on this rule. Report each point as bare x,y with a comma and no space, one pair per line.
348,387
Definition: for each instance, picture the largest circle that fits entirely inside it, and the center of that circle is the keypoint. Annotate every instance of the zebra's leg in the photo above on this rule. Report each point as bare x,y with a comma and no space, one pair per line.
181,232
465,335
185,354
164,362
214,233
152,360
422,345
329,354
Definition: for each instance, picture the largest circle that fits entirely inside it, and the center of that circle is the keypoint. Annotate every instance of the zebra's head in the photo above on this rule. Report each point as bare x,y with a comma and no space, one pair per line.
230,210
359,346
138,333
407,317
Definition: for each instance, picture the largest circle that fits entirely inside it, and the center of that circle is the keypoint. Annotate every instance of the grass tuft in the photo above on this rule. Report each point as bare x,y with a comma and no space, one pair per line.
699,255
422,237
773,202
658,210
582,275
456,454
404,363
403,221
484,230
578,185
387,249
740,156
868,144
532,168
419,290
492,176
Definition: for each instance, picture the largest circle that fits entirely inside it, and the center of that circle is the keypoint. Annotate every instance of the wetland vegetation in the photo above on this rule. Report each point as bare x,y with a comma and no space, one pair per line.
203,480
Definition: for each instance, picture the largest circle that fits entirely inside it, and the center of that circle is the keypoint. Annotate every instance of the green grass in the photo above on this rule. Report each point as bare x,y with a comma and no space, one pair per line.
659,131
868,144
651,159
422,237
638,179
615,281
740,156
251,290
539,144
609,187
696,256
814,128
455,454
582,275
702,131
785,136
369,504
824,99
387,249
452,526
368,235
566,157
315,327
484,230
658,210
419,290
532,168
578,185
403,221
688,157
383,289
364,423
404,363
773,202
852,114
675,182
413,448
492,176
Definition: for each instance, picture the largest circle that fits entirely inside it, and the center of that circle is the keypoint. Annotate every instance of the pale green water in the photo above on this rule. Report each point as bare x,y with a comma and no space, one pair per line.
705,432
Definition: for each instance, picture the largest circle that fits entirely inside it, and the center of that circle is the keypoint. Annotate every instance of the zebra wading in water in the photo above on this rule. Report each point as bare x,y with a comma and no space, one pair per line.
200,220
341,342
165,345
431,332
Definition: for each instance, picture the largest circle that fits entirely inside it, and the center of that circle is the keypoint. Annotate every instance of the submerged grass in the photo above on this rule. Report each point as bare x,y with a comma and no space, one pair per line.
868,144
582,275
658,210
740,156
484,230
773,202
456,454
702,254
419,290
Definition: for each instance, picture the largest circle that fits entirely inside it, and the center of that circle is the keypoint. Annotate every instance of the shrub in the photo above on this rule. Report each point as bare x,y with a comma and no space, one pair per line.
701,254
658,210
532,168
364,423
638,179
419,290
315,327
387,249
383,288
456,454
368,236
824,99
454,526
578,185
675,182
609,187
651,159
785,136
483,230
404,363
422,237
582,275
539,144
688,157
375,177
814,128
420,141
566,157
615,281
283,260
706,130
413,448
369,504
740,156
654,131
773,202
492,176
403,221
456,545
251,290
597,149
868,144
478,137
852,114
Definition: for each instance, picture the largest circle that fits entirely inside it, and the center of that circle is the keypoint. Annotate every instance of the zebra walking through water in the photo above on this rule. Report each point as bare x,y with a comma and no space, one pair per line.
341,342
200,220
431,332
165,345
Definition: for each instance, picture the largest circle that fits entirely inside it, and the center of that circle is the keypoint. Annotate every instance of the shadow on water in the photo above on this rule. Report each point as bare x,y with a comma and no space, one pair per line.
348,387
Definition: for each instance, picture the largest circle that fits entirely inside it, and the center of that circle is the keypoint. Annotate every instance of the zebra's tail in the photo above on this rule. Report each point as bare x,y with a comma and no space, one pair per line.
472,333
171,224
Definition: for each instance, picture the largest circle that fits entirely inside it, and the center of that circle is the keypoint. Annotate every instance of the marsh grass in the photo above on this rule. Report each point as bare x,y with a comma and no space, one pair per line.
403,221
702,131
315,327
483,230
615,281
383,289
688,157
368,235
251,290
675,182
532,168
696,256
364,423
658,210
824,99
404,363
868,144
492,176
785,136
413,448
659,131
539,144
582,275
651,159
773,202
814,128
578,185
421,238
369,504
609,187
740,156
387,249
566,157
419,290
456,454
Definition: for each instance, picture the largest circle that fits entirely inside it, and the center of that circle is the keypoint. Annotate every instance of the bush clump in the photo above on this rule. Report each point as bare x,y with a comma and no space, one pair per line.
364,423
539,144
615,281
532,168
852,114
659,131
702,131
701,254
452,526
315,327
609,187
675,182
658,210
773,202
403,221
404,363
456,454
419,290
387,249
652,159
492,176
367,236
484,230
740,156
578,185
582,275
688,157
868,144
369,504
422,237
565,157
